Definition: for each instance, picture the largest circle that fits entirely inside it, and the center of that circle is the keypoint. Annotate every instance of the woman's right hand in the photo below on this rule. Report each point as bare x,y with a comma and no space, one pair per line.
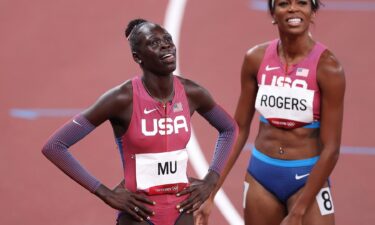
126,201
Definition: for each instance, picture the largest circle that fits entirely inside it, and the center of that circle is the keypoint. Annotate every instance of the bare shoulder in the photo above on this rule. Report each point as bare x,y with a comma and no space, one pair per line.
199,98
253,59
256,53
329,67
111,104
191,88
119,96
124,93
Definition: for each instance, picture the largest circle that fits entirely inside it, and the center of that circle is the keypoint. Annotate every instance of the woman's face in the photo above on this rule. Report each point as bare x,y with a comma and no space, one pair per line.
156,50
293,16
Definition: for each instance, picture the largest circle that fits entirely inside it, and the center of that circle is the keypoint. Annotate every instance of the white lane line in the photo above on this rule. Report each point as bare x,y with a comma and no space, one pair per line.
172,22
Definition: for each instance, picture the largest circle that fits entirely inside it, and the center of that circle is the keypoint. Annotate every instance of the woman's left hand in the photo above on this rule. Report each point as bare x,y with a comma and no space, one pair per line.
199,191
202,215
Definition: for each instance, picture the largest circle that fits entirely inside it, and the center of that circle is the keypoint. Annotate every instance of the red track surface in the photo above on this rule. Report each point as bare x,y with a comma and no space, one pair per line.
64,54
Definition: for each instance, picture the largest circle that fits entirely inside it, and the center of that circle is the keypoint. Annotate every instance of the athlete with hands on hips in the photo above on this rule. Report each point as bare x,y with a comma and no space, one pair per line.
150,116
297,85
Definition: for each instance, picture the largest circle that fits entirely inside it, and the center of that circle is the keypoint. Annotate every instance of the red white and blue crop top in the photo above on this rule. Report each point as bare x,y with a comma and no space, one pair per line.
289,98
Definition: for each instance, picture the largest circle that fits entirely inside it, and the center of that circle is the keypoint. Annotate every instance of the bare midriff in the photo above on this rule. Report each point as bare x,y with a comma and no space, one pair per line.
288,144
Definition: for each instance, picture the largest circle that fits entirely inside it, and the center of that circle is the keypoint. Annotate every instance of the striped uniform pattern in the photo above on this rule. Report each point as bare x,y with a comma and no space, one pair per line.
56,150
228,132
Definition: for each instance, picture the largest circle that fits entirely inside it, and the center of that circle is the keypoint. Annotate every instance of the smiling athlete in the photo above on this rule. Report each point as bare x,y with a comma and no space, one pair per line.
297,85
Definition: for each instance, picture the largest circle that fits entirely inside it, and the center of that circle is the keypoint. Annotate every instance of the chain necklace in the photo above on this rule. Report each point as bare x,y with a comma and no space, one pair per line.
161,100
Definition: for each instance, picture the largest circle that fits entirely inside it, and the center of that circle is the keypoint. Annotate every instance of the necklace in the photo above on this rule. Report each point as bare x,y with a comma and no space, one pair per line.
281,151
161,100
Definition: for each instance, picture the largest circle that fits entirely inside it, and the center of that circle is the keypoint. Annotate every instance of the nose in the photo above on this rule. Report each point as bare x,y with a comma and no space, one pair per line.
293,6
166,44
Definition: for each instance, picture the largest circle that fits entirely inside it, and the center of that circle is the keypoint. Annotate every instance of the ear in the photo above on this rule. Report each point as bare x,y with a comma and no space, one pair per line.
273,19
313,15
136,58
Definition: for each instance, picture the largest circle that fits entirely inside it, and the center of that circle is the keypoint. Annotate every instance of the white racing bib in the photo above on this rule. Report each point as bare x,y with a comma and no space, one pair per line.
161,173
285,106
325,203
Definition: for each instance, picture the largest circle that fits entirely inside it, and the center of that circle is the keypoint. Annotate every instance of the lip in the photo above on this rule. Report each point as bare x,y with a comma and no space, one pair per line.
165,56
168,57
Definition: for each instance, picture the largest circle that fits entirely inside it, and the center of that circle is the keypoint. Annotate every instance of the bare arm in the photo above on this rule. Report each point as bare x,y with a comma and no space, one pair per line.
243,116
115,105
245,106
331,81
57,147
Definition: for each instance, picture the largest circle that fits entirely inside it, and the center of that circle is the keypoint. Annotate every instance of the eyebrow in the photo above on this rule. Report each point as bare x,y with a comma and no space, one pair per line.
166,34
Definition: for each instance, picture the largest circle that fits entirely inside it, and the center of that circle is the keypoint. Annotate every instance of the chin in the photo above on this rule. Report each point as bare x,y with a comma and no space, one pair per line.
172,67
168,70
294,31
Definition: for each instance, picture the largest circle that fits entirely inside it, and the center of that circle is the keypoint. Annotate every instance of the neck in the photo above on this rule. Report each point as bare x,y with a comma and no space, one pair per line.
294,48
159,87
